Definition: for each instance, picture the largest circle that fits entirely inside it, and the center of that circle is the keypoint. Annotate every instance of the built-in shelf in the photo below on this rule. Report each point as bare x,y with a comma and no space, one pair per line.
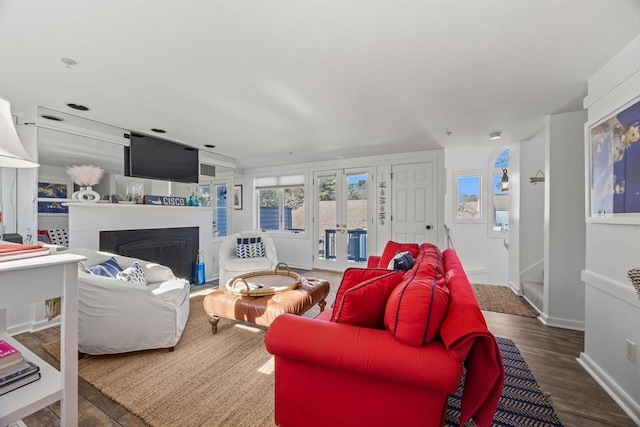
31,280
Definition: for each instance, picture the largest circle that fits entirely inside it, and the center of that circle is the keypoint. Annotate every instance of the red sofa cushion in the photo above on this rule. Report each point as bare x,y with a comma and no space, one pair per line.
417,306
392,248
362,296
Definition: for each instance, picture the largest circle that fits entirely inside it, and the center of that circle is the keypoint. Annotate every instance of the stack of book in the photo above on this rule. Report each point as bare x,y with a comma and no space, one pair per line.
9,251
15,371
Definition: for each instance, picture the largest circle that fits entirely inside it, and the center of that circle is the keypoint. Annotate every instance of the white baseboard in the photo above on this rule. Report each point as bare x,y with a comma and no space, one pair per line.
628,405
561,323
515,288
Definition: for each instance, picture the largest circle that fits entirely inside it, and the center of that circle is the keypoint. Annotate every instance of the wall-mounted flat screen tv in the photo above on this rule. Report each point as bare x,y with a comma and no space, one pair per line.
156,158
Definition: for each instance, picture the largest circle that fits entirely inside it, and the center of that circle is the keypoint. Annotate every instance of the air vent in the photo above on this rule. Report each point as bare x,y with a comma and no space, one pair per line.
207,170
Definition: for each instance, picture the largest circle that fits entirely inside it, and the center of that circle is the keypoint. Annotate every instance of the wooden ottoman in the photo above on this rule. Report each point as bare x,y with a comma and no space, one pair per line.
262,310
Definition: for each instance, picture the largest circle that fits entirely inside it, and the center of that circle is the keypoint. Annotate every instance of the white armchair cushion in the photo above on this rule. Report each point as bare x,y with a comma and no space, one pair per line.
249,264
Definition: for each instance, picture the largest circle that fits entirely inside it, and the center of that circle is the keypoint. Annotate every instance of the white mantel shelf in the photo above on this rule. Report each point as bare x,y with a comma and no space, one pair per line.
87,220
87,205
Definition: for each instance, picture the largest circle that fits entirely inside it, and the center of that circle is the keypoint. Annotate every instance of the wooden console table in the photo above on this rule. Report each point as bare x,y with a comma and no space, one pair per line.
32,280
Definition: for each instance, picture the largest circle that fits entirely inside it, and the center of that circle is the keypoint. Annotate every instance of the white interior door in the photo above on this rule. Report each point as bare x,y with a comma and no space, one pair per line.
413,207
342,214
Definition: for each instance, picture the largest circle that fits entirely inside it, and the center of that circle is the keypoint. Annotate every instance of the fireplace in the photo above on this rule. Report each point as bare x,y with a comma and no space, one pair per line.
177,248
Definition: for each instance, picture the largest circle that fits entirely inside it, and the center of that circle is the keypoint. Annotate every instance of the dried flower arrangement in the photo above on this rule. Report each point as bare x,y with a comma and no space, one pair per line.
85,176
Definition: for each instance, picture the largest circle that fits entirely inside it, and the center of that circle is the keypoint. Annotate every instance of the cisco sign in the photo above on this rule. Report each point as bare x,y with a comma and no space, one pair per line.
165,201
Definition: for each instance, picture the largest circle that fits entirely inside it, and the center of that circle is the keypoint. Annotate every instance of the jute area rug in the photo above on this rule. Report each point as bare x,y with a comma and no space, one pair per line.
209,380
227,380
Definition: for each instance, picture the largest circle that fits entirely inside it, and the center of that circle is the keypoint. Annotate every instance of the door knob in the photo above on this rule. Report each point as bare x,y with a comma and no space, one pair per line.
428,227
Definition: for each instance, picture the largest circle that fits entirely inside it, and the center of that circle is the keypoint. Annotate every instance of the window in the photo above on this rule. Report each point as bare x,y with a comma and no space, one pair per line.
215,195
281,203
468,201
499,226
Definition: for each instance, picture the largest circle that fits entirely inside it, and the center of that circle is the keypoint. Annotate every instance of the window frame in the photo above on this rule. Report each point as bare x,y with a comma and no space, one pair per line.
214,206
491,199
281,184
481,218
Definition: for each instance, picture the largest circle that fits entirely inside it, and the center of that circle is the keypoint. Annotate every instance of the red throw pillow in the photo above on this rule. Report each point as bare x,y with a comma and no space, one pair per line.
431,254
362,297
416,307
392,248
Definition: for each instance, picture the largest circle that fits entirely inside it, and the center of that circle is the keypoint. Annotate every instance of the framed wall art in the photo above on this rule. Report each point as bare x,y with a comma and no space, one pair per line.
237,197
613,166
48,192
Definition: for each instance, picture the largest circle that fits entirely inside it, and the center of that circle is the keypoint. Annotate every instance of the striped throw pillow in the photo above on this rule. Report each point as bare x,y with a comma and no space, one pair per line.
109,268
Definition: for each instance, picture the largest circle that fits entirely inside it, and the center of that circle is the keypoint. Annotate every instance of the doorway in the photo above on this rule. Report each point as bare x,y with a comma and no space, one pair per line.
342,215
413,206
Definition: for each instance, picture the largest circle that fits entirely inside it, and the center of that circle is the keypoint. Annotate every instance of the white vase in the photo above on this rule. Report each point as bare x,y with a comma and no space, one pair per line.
74,196
88,195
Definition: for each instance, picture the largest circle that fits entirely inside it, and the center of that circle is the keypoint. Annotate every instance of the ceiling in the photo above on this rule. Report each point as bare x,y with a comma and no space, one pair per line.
276,82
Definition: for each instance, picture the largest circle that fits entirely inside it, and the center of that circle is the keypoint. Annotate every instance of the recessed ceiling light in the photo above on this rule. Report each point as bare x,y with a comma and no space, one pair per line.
495,135
156,130
209,146
54,118
79,107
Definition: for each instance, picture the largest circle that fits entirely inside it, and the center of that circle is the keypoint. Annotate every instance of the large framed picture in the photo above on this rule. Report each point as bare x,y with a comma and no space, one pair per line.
613,148
237,197
48,192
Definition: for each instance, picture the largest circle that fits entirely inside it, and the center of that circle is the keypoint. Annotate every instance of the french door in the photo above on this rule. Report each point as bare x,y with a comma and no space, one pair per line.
341,218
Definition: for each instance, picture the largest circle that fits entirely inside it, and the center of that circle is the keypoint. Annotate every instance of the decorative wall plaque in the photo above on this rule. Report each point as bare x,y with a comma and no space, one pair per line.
165,200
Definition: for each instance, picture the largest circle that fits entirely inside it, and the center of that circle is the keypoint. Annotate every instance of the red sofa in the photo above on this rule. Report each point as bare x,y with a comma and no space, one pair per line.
391,350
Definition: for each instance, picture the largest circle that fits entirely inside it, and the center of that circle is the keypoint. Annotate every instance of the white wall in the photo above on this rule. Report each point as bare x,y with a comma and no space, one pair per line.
484,258
297,250
612,309
531,208
564,228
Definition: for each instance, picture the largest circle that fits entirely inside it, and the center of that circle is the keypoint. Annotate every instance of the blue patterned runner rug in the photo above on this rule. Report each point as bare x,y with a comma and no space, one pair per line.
522,402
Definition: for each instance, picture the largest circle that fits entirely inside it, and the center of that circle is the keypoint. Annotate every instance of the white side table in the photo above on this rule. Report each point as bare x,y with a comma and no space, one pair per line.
31,280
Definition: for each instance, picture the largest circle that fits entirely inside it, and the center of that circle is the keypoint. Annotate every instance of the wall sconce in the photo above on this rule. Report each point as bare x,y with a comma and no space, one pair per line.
504,185
12,154
538,178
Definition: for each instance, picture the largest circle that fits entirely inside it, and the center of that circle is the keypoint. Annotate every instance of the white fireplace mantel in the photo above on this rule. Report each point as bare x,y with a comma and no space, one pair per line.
87,220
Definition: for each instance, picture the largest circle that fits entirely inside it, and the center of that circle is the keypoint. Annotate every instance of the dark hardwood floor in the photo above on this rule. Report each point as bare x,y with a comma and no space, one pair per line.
550,353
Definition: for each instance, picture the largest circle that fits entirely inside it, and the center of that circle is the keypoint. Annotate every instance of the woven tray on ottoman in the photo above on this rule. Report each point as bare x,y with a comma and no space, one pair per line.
262,310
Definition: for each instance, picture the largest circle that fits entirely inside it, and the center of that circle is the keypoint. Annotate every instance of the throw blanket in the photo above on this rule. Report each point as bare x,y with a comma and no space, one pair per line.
468,340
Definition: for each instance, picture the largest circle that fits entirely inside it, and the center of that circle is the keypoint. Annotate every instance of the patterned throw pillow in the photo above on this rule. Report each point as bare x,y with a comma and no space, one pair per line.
134,274
59,237
403,261
109,268
252,247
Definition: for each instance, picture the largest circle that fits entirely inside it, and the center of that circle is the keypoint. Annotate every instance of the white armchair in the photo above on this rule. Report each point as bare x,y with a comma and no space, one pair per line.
116,316
230,265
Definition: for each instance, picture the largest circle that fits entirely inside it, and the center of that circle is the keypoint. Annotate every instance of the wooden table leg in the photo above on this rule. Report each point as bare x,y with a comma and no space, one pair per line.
322,304
213,320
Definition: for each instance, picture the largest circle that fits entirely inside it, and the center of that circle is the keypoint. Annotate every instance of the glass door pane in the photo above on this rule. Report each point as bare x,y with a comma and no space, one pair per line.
326,222
342,215
356,215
